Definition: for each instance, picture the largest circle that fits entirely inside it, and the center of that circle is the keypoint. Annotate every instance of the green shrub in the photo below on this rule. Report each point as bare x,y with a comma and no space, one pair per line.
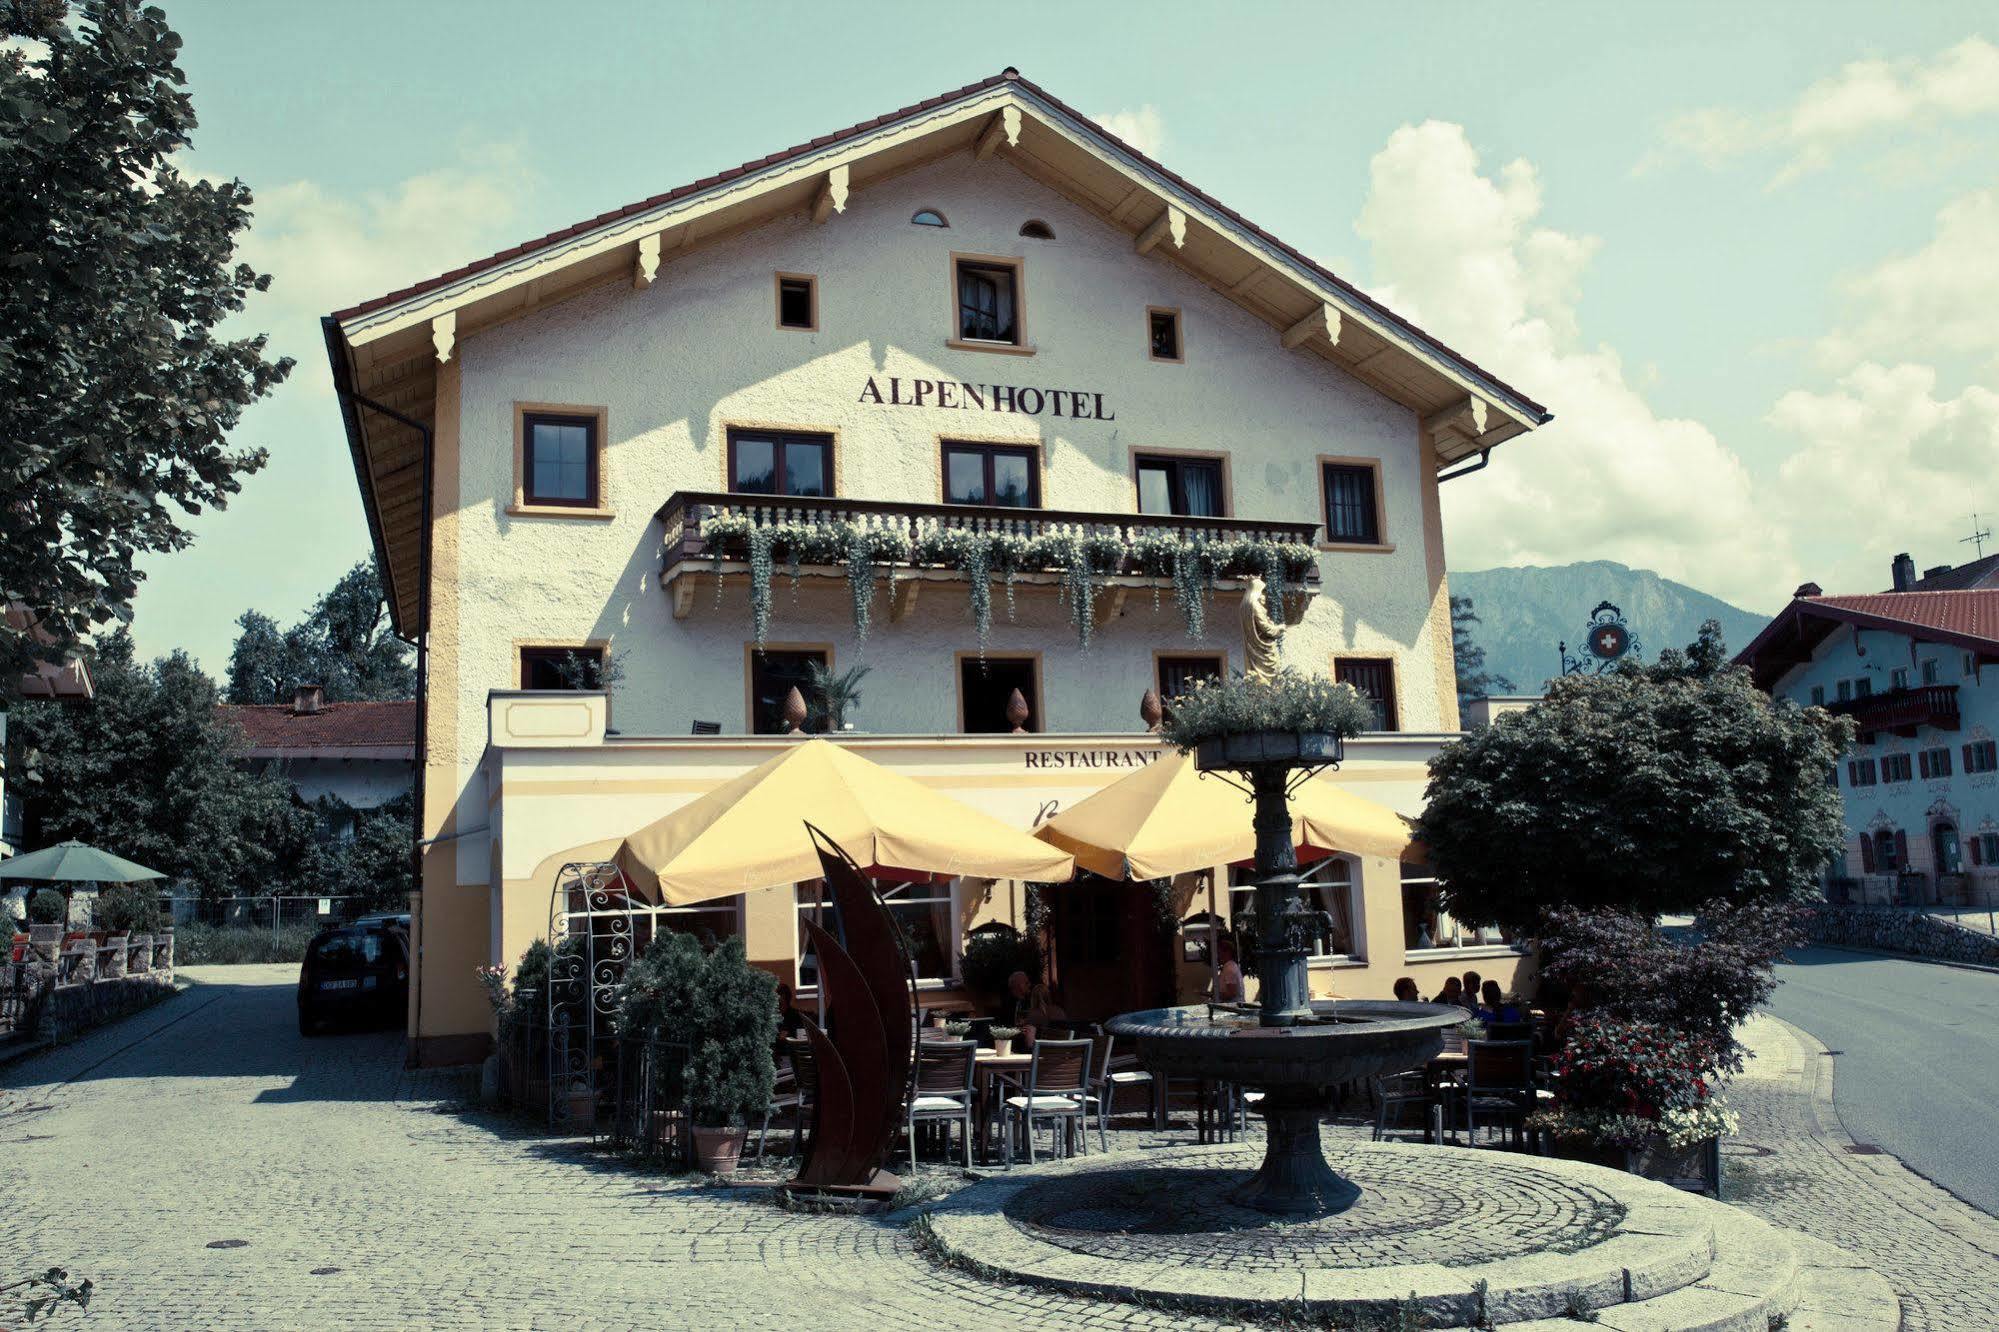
212,945
47,907
128,908
994,955
718,1006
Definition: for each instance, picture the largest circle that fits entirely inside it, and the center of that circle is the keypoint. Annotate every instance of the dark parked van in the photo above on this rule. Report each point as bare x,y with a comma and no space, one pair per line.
354,973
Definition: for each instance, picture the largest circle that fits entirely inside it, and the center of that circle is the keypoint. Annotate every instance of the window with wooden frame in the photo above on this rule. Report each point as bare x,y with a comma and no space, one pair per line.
1006,476
559,459
989,301
798,301
1934,763
1352,493
1896,768
774,673
578,667
1860,772
1179,672
1374,677
1981,756
777,462
1162,334
1186,486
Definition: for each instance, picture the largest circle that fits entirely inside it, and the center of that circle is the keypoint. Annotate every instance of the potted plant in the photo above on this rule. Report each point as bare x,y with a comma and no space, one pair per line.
714,1017
958,1031
1640,1097
1291,719
1003,1038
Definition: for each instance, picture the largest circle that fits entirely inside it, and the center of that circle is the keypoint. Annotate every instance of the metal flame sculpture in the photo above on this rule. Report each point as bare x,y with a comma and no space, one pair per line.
863,1062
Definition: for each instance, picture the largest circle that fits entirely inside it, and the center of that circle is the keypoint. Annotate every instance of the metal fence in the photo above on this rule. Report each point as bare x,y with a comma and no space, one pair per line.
275,914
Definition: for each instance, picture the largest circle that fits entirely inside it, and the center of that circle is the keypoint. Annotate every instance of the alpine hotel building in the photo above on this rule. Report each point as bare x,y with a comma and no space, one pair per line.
983,313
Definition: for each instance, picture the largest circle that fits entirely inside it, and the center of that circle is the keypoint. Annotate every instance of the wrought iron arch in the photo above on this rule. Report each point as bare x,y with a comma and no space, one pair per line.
593,940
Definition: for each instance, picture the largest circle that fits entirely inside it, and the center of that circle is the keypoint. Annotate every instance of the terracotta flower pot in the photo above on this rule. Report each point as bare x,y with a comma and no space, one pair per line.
717,1150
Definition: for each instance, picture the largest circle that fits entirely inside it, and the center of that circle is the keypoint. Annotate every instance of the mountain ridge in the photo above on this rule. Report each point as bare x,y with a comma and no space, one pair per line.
1525,611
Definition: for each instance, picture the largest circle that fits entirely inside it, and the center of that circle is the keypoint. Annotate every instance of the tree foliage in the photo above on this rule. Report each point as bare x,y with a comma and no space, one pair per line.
1474,680
344,643
117,396
716,1005
1650,789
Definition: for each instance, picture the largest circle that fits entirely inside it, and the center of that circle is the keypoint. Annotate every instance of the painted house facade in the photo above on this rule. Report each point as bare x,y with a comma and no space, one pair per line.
1917,669
981,316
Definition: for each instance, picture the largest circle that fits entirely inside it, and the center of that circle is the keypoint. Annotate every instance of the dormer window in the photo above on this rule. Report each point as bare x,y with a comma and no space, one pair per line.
928,217
1036,229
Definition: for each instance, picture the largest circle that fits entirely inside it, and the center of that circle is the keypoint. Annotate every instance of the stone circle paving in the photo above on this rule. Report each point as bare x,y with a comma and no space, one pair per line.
1408,1211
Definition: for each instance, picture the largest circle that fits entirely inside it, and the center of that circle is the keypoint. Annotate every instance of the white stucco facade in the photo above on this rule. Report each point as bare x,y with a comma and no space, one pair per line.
669,368
1963,803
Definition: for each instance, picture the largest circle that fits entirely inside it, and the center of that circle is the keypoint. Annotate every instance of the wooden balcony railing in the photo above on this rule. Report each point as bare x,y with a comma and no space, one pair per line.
690,518
1903,710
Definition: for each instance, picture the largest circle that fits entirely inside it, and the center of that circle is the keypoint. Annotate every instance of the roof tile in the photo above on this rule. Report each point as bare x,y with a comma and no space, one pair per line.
334,726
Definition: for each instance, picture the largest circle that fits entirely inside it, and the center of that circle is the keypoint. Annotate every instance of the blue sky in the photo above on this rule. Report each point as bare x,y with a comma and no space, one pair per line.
1749,256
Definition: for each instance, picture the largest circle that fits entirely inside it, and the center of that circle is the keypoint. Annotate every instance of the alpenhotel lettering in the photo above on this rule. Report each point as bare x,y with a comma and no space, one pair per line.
955,395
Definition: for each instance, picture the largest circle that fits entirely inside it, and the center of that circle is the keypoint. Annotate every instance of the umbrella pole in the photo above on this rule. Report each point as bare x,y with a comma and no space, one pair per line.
1214,942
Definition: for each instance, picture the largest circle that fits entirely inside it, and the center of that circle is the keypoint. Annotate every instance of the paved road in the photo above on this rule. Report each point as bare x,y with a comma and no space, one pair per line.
1917,1049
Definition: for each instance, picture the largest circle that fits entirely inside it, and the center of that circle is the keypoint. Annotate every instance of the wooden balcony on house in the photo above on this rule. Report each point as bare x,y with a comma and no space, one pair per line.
707,536
1903,710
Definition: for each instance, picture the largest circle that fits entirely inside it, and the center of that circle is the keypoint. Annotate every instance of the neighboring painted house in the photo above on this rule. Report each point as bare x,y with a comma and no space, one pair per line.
363,754
982,313
1918,670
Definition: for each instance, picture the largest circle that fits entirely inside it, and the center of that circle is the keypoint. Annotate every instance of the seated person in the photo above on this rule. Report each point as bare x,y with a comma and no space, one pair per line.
1405,990
1228,976
1493,1006
1013,1004
1452,993
1471,987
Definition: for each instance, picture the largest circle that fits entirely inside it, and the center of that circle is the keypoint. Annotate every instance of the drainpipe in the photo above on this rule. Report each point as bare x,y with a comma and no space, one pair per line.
420,640
1484,457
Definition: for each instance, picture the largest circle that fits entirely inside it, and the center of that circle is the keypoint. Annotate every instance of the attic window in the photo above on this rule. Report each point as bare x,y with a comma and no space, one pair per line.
1036,229
928,217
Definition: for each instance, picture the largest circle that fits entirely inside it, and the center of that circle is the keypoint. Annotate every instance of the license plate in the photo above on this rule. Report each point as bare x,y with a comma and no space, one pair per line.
339,985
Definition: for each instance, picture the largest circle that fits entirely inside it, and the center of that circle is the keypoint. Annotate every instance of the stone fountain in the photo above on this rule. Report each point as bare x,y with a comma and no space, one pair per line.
1293,1050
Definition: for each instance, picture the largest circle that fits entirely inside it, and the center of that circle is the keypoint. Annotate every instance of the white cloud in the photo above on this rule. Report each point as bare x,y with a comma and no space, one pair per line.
1864,98
1142,128
1458,250
327,251
1882,443
1942,298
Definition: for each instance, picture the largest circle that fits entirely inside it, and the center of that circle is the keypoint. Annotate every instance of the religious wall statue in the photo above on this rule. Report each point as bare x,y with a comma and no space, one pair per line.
1261,635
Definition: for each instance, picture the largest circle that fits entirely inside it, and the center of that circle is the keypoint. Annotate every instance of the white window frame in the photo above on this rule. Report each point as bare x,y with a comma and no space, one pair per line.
952,943
1312,877
1458,949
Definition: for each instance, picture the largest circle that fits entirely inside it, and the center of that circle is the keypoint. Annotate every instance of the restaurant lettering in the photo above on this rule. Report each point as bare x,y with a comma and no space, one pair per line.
1088,758
954,395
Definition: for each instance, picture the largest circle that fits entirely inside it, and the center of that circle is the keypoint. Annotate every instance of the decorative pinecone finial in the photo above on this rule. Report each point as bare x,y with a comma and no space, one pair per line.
794,711
1016,712
1149,710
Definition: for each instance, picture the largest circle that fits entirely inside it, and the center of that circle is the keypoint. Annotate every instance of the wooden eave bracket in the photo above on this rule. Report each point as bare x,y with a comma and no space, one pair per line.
1467,418
904,600
647,266
683,597
444,334
1108,605
832,197
1002,128
1323,321
1170,223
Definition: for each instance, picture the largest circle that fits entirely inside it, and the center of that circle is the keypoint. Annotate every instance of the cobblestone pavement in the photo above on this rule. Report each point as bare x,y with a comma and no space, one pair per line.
1791,1164
209,1168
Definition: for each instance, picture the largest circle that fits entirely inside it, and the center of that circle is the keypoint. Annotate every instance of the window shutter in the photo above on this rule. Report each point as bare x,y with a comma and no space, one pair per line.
1901,848
1866,854
1967,759
1977,850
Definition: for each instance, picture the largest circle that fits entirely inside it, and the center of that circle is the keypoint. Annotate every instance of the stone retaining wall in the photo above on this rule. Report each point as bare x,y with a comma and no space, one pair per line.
67,1011
1900,931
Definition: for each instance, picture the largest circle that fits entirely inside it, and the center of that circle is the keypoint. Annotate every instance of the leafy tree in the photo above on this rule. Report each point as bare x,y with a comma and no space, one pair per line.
368,861
117,397
1650,789
344,643
147,770
1474,680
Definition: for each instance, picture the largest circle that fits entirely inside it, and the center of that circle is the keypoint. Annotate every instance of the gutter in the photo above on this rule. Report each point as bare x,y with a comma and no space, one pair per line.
350,403
1484,457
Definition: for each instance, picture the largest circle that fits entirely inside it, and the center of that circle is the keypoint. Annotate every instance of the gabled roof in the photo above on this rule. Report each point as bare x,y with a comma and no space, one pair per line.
1966,619
1978,573
384,730
386,349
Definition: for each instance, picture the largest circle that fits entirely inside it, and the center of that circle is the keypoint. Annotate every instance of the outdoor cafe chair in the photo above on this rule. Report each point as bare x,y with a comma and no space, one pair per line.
1498,1086
792,1094
941,1091
1395,1093
1057,1090
1116,1073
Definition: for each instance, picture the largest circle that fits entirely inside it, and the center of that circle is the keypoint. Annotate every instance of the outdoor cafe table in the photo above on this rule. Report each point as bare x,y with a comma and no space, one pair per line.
989,1069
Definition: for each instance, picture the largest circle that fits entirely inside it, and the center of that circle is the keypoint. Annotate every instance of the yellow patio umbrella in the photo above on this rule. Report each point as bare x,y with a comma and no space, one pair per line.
749,832
1168,819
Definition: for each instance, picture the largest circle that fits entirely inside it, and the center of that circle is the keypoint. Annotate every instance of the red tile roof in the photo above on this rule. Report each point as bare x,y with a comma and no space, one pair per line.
276,726
1970,613
1009,75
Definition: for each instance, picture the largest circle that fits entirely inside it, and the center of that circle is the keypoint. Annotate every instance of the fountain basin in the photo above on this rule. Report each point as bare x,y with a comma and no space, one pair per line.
1296,1067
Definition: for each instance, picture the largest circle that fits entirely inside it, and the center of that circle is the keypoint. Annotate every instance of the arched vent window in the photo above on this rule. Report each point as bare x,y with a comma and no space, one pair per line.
928,217
1036,229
